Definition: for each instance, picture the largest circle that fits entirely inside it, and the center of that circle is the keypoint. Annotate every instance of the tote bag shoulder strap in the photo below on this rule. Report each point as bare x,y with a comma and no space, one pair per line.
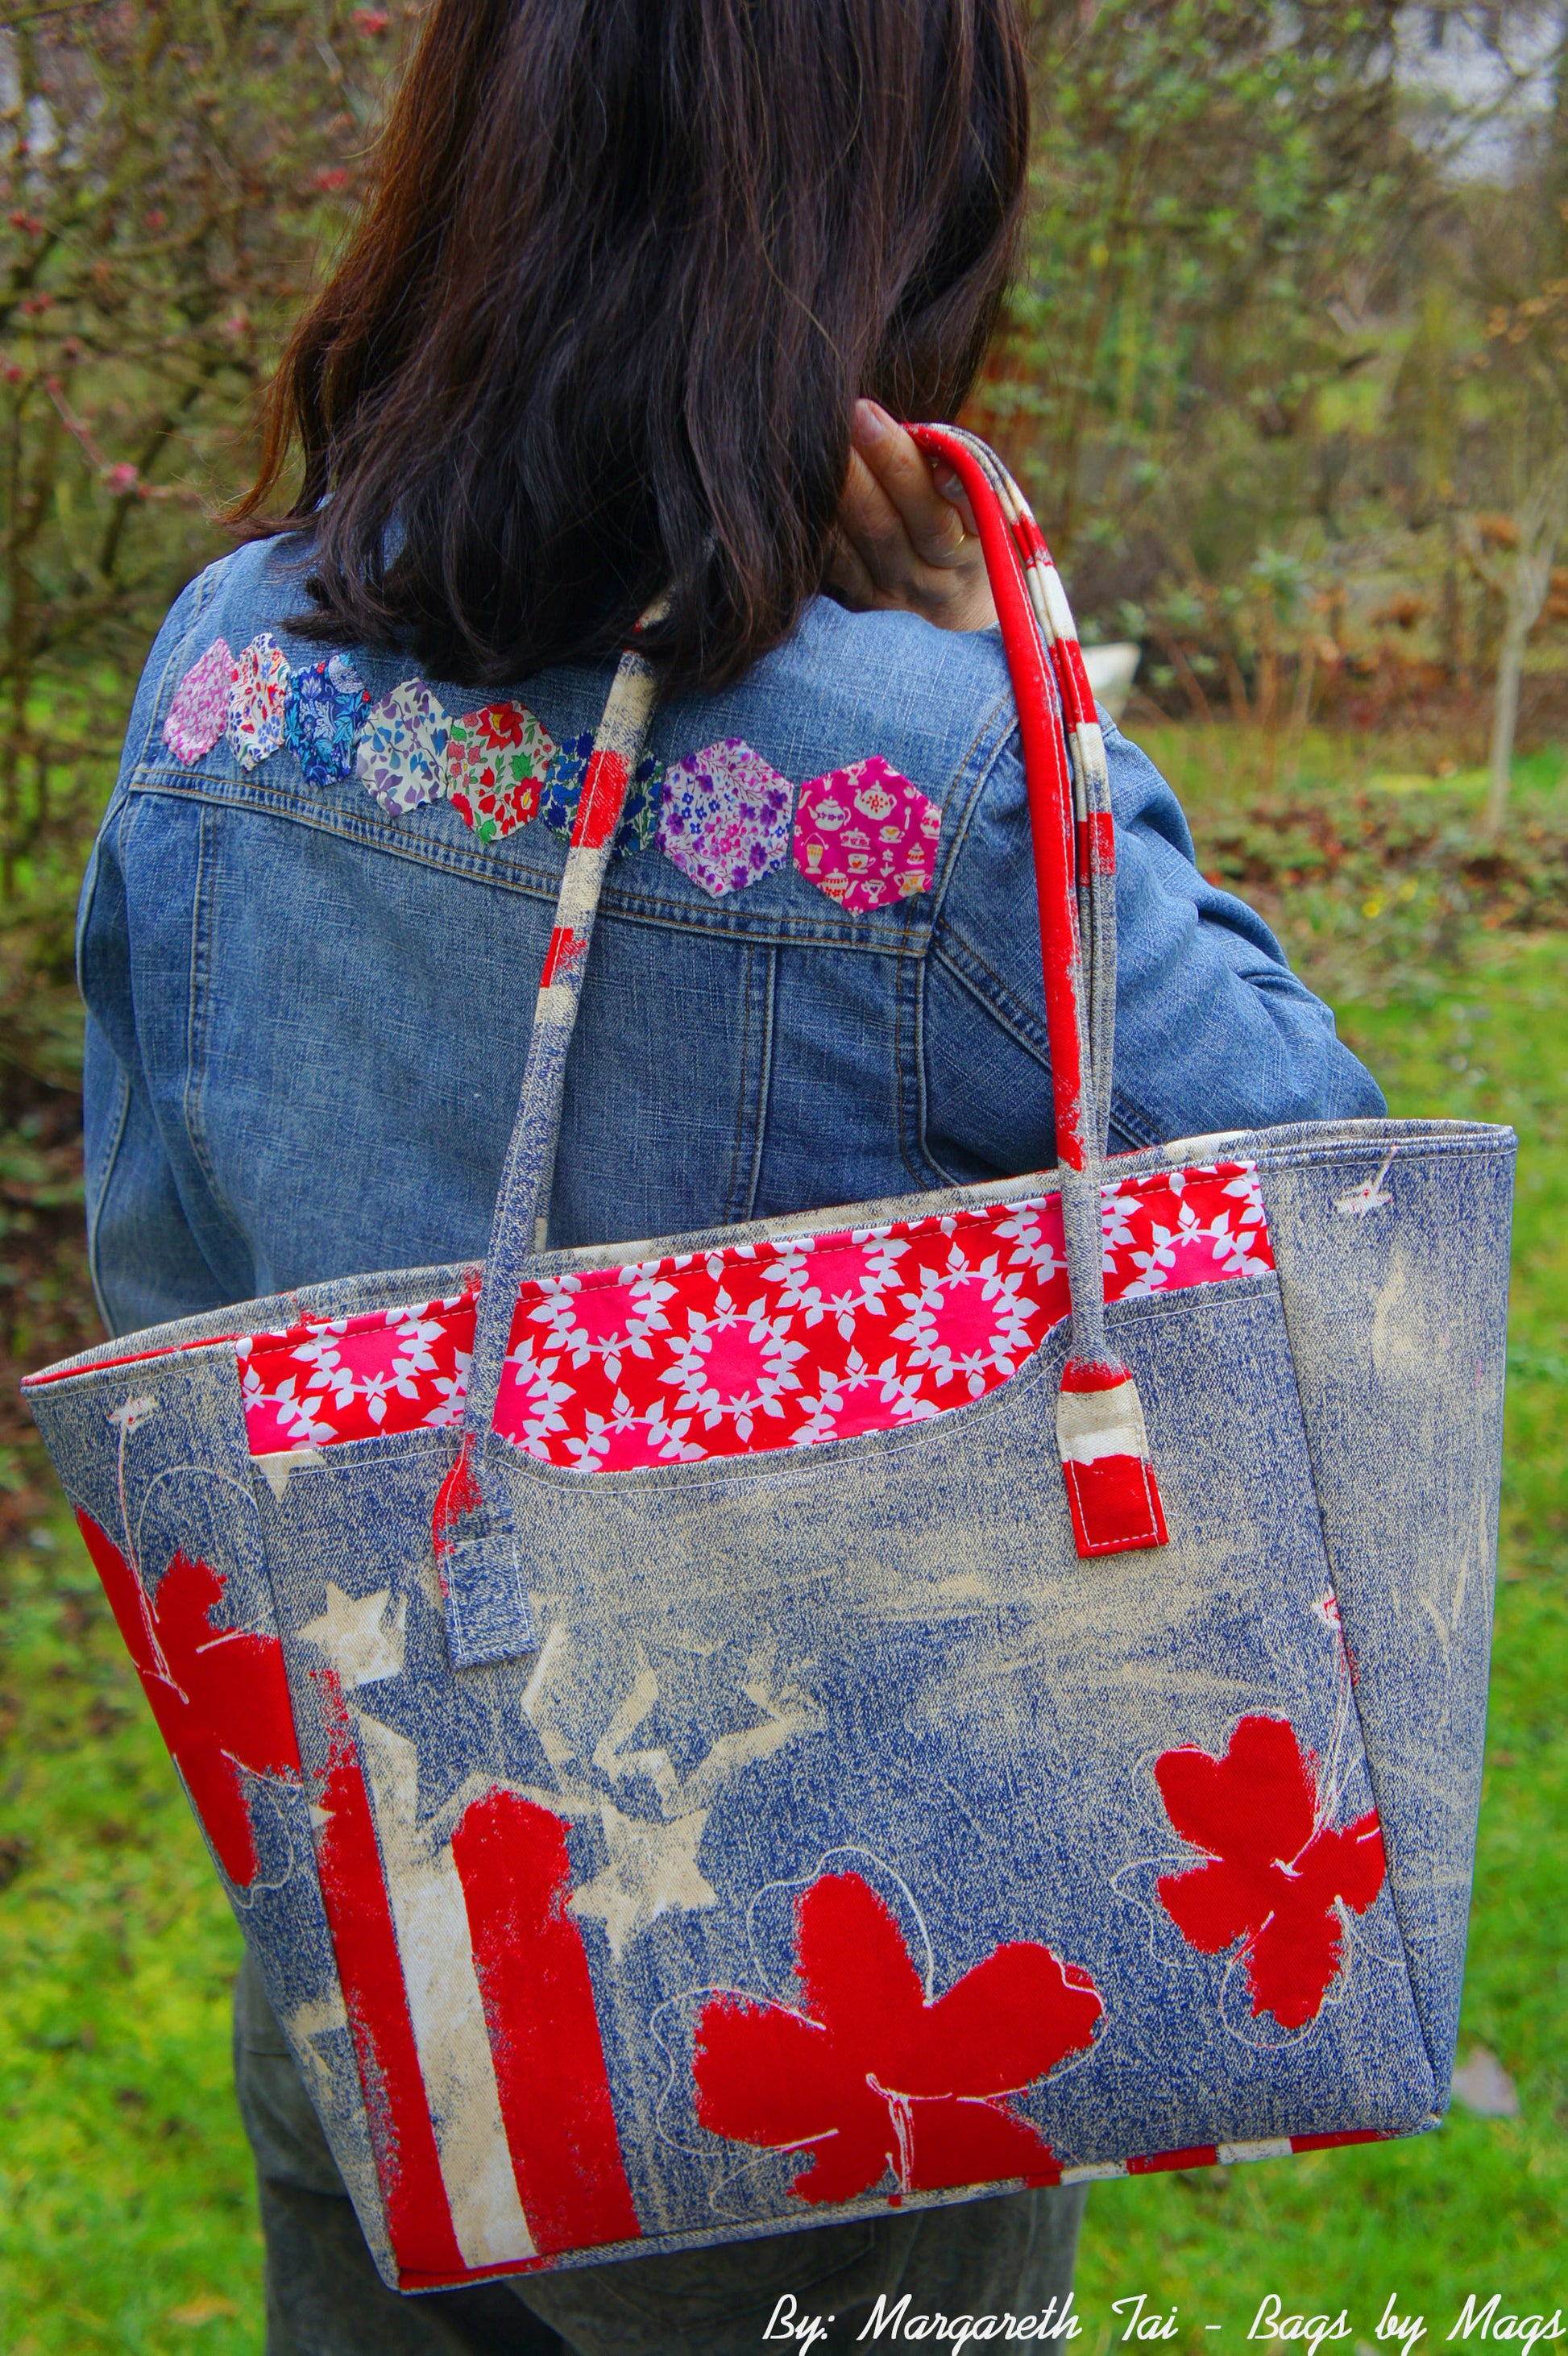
1100,1422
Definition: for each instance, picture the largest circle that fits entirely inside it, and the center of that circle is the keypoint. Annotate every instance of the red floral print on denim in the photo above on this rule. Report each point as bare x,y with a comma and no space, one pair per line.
1276,1873
781,1345
875,2074
219,1695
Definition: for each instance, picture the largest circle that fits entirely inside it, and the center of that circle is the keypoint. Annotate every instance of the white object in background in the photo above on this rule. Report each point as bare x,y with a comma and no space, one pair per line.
1111,670
1484,2086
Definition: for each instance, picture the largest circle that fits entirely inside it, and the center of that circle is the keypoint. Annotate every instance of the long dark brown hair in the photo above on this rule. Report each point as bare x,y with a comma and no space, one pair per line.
625,267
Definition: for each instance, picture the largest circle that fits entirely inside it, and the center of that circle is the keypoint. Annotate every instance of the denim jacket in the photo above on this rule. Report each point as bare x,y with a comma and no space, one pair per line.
308,1019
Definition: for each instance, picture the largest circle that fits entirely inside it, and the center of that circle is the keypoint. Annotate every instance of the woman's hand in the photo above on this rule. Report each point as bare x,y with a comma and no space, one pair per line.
906,532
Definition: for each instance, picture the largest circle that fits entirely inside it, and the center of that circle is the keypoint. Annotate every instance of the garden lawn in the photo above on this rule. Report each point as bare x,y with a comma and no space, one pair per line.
1482,2204
126,2208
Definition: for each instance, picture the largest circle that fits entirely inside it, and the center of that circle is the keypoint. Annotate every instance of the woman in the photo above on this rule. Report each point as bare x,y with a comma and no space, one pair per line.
630,318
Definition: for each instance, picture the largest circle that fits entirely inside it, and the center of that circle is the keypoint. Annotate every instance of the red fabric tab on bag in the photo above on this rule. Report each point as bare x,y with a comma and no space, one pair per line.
460,1494
1116,1506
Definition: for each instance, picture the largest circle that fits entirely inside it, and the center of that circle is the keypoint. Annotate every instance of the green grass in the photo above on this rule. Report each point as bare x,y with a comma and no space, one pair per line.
1482,2205
126,2208
126,2211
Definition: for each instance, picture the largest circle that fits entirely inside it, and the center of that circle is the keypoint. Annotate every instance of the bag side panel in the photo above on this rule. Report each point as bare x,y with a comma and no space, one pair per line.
154,1460
1394,1275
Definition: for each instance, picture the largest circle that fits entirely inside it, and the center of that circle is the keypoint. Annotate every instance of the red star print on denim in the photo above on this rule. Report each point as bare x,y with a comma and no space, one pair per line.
219,1695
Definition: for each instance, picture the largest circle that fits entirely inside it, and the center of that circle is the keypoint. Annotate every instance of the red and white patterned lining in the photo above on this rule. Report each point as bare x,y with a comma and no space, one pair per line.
764,1345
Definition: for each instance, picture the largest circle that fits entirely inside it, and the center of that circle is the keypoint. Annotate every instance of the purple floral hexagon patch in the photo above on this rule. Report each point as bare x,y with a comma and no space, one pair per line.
725,816
403,749
864,835
200,711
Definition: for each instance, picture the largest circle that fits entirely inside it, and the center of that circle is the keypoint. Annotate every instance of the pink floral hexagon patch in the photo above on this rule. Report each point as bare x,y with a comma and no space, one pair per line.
725,816
258,699
864,835
200,711
495,761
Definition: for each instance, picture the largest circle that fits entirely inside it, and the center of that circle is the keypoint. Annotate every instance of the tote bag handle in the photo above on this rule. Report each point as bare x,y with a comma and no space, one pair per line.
1111,1493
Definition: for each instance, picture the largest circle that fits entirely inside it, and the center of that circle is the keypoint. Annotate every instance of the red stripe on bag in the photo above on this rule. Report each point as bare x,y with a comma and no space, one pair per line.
1072,681
403,2135
1096,845
459,1495
532,1970
565,951
1334,2142
603,796
1199,2155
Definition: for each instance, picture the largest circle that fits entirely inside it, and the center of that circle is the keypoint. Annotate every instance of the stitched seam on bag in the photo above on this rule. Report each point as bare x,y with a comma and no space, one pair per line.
1416,1141
863,932
834,1239
1354,1699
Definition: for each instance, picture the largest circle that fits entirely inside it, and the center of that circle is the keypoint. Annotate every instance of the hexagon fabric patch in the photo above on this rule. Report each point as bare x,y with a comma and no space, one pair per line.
258,698
864,835
562,790
200,711
322,719
495,761
725,816
403,748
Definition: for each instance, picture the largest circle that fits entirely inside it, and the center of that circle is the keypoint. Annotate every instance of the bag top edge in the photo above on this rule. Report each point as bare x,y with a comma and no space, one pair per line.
389,1288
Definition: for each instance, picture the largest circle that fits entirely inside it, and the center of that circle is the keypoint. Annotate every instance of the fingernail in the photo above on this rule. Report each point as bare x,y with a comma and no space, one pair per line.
871,424
946,481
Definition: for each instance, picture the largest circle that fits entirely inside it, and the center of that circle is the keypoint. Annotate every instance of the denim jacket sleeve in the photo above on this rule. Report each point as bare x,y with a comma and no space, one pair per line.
1213,1031
155,1267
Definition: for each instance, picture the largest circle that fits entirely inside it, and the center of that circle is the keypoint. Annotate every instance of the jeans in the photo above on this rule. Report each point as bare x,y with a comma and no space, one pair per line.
324,2297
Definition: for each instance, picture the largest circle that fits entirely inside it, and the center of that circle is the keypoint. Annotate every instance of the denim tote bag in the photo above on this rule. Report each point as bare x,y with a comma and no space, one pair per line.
878,1706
